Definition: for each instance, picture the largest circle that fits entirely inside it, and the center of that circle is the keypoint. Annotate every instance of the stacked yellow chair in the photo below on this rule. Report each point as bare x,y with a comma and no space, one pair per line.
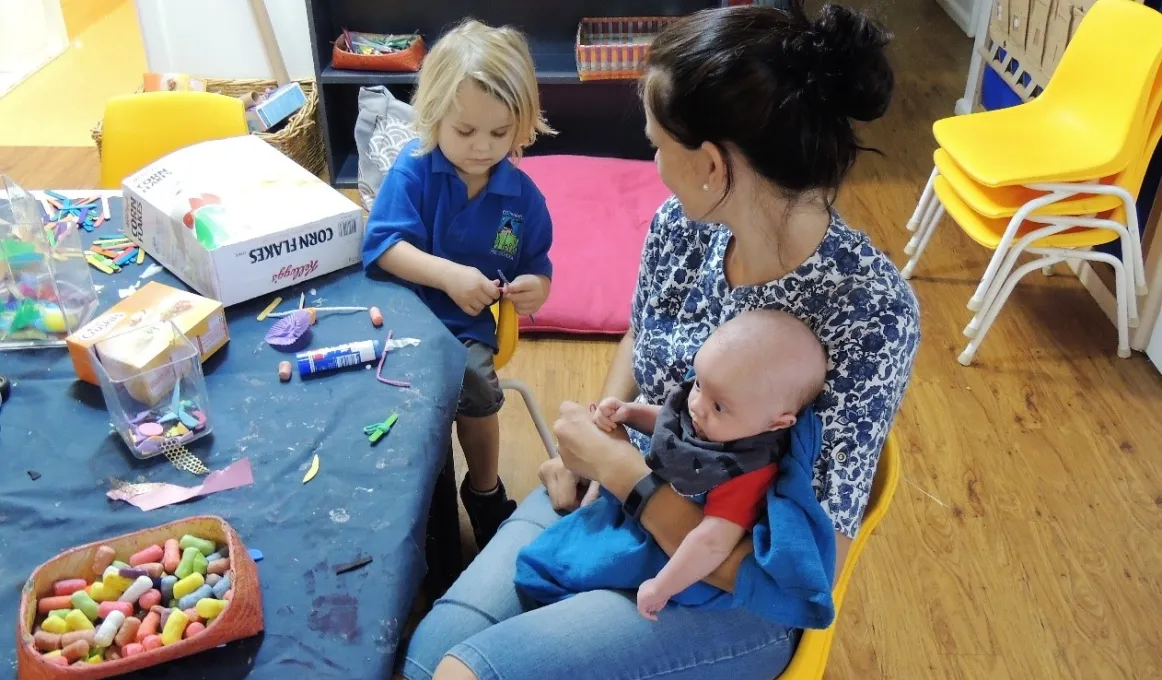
507,336
1058,175
138,129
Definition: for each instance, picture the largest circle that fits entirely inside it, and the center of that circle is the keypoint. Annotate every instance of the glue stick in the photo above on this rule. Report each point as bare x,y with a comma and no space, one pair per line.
333,358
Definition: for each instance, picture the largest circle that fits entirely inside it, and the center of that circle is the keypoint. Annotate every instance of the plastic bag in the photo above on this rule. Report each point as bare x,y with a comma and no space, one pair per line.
382,128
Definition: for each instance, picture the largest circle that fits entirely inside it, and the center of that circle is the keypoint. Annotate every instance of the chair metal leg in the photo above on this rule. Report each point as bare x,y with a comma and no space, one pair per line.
534,412
921,207
926,223
969,352
925,235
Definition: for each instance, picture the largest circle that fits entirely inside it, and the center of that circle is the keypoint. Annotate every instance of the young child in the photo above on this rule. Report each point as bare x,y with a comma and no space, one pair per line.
722,434
455,217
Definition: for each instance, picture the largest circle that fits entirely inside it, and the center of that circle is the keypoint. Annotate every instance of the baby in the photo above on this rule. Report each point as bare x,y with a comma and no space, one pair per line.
455,218
722,434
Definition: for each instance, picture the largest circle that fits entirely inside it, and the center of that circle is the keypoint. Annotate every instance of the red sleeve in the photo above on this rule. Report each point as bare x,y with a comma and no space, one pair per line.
741,499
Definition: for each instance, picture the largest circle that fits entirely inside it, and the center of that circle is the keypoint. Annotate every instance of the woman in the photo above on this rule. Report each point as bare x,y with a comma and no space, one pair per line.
751,111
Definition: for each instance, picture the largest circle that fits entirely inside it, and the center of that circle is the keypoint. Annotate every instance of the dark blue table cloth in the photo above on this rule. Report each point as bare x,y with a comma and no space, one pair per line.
366,500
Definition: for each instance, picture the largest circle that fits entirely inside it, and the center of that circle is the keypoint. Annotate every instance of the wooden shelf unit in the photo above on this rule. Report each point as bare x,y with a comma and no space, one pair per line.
601,118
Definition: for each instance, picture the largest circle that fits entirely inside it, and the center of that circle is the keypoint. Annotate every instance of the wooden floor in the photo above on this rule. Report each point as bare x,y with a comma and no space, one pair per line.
1022,540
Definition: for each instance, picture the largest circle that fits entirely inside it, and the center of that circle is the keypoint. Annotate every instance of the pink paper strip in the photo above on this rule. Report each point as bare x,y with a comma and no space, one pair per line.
233,476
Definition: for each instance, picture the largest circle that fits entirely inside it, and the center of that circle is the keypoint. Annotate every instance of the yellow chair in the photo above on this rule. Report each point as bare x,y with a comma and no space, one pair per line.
140,128
1021,180
1053,239
810,660
1082,125
507,336
1005,201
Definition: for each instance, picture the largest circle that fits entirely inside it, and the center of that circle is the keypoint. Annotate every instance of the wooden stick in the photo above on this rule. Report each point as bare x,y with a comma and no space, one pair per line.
269,41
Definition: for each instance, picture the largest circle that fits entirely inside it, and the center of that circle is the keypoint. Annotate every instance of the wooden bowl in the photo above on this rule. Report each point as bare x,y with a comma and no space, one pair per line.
241,619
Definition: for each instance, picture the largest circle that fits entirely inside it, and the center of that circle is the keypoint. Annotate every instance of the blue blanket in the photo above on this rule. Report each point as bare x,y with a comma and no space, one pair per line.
787,580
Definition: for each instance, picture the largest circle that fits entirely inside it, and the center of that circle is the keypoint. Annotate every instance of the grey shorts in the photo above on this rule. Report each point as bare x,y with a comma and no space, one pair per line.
480,395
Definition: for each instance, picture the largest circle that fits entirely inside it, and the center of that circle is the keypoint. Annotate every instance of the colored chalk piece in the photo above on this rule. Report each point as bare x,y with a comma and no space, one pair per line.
69,586
255,554
102,593
77,620
189,541
54,624
188,585
193,598
209,608
81,600
167,584
45,641
222,586
174,627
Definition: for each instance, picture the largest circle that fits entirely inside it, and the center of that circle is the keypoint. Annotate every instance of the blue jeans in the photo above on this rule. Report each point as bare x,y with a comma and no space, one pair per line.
485,623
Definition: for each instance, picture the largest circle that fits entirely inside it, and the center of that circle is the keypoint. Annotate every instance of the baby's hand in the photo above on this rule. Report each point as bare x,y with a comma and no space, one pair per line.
650,599
609,413
591,494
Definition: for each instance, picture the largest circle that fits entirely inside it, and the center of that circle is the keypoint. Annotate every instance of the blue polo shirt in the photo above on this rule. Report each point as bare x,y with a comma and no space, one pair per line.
506,227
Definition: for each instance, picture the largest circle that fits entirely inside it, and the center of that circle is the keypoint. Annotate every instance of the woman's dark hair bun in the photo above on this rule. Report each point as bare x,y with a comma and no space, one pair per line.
851,50
780,87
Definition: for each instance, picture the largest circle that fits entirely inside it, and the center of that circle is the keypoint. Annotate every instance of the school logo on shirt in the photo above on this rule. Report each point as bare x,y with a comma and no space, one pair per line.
508,235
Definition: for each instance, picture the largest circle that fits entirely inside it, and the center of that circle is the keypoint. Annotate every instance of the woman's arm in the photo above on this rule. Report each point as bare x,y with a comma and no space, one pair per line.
612,460
670,517
619,380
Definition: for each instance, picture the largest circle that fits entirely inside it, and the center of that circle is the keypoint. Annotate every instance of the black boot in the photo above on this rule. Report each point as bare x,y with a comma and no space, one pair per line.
486,511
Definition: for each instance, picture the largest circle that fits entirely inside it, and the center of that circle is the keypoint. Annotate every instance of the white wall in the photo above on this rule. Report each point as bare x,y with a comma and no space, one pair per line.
178,34
32,33
964,13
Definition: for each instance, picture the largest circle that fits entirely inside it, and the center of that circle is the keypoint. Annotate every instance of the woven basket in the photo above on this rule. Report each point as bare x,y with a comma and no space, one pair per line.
615,48
241,619
300,139
406,60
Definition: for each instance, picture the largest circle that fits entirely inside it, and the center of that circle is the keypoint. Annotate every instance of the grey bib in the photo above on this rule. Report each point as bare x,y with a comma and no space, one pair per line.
694,466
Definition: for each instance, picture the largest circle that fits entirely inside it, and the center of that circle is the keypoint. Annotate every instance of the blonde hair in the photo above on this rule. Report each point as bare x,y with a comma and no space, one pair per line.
496,58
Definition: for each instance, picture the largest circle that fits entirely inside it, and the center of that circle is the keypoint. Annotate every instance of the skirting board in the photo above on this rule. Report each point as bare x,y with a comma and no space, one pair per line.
961,16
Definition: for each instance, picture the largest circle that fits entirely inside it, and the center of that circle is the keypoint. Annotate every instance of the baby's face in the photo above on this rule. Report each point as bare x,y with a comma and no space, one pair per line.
725,402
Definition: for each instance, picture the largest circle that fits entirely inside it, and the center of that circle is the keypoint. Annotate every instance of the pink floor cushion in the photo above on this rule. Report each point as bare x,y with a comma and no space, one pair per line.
601,210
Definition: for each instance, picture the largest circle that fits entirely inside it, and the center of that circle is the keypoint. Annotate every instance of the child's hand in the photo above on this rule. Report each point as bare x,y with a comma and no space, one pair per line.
472,291
651,600
527,293
609,413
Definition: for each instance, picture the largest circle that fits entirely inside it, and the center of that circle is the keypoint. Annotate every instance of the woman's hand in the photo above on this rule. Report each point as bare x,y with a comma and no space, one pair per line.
583,447
567,491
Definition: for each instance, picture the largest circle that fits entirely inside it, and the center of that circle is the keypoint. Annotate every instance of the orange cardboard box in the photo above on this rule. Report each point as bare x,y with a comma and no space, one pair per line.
201,319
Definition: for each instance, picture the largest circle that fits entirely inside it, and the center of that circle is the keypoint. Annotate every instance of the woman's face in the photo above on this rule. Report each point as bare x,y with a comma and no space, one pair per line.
681,170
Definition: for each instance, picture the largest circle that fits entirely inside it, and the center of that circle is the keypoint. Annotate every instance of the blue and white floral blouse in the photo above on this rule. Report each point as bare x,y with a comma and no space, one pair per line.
848,292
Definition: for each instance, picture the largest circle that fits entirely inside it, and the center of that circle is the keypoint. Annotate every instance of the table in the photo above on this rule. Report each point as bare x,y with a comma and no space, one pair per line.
365,500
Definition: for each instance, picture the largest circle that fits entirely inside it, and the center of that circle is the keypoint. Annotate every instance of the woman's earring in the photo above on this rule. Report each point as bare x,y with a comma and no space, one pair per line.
705,187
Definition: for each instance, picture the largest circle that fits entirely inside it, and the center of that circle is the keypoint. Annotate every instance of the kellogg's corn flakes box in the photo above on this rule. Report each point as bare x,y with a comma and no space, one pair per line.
236,219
